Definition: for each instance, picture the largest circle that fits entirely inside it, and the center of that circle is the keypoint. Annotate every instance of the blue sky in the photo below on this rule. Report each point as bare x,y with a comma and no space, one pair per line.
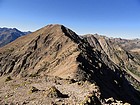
113,18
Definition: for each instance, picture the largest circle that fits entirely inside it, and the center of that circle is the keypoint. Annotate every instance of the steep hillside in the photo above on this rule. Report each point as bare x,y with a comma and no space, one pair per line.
118,55
53,65
8,35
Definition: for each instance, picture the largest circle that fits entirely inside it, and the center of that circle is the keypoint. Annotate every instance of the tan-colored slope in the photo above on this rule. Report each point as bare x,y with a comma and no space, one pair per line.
41,51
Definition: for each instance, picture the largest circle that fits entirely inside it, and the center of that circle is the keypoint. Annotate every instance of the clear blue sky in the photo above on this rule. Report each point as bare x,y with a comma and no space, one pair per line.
113,18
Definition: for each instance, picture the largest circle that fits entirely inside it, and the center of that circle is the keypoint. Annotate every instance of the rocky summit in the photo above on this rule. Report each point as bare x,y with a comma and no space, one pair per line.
55,66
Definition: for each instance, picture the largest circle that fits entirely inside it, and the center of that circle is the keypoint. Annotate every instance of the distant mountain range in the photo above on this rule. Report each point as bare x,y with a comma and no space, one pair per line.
55,66
8,35
132,46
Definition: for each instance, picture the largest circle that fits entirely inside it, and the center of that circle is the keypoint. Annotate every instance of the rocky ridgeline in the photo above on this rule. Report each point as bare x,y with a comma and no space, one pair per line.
77,70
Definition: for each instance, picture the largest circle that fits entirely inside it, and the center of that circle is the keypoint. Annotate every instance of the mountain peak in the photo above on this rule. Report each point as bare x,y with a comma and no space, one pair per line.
58,29
53,26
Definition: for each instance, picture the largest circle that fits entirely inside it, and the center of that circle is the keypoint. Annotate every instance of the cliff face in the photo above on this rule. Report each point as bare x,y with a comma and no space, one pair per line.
81,68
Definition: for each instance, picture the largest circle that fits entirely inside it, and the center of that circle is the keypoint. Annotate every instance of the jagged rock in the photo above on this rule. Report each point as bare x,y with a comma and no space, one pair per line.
91,99
33,89
53,92
112,101
8,79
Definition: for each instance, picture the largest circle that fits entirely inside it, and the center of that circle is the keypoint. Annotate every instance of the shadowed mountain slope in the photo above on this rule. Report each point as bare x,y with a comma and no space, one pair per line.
117,54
